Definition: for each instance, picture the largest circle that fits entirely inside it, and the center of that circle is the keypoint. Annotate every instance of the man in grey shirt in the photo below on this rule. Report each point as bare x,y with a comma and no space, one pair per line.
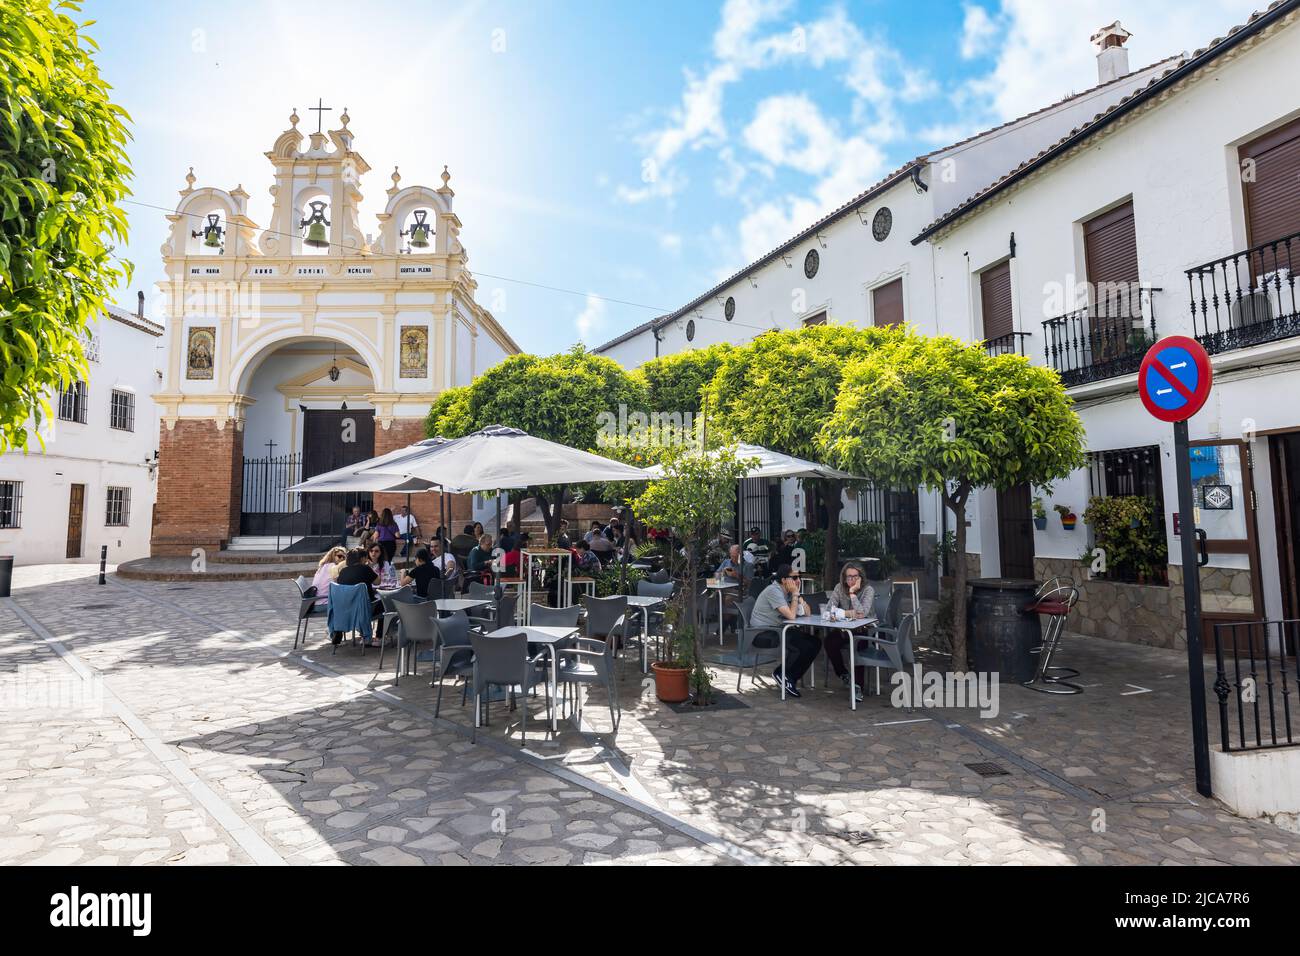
775,606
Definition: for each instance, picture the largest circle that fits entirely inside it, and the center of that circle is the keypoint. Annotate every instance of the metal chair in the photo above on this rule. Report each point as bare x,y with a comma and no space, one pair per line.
390,600
500,614
590,662
765,643
606,617
416,628
543,616
1055,599
307,609
350,611
654,618
658,577
502,661
887,647
455,655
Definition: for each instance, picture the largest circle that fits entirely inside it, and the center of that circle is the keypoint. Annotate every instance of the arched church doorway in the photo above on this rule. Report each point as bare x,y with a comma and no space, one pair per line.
308,413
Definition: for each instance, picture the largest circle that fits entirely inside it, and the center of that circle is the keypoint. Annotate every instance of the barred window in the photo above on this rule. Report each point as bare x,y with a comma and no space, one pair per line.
74,403
11,504
121,413
1134,543
118,510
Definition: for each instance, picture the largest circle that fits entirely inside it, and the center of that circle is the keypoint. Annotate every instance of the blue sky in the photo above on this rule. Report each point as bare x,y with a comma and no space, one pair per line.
618,151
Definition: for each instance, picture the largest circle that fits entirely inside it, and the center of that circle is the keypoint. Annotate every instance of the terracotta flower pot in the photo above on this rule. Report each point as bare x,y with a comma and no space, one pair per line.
672,684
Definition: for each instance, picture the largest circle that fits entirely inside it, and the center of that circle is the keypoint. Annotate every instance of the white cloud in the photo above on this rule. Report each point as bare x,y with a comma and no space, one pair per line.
789,130
1044,52
592,318
978,31
671,242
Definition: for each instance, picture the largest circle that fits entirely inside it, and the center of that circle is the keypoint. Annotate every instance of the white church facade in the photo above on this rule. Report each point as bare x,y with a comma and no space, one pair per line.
306,345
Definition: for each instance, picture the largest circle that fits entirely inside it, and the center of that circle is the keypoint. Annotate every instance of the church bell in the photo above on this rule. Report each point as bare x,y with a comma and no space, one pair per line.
211,233
316,223
419,231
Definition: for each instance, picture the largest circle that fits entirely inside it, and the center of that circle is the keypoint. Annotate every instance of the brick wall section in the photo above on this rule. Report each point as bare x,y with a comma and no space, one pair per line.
407,431
200,475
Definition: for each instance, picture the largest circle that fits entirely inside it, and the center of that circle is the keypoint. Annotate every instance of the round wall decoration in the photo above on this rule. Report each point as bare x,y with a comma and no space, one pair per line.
729,308
811,262
690,331
881,223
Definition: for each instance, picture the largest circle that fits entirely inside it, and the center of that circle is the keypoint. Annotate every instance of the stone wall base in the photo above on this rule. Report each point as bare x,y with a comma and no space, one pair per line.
1134,613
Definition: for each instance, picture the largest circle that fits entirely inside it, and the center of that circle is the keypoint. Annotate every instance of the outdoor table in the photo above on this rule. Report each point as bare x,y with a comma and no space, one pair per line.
563,581
552,638
644,603
719,585
447,605
815,621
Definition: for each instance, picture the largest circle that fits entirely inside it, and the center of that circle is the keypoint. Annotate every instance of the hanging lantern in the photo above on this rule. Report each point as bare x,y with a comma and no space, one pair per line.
211,233
419,232
315,225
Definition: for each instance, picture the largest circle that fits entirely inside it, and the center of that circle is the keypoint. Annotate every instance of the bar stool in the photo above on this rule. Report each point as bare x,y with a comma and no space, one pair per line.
1054,599
586,583
915,586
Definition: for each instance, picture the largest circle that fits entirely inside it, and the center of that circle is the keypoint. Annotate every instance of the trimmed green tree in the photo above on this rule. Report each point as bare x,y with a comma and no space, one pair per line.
556,397
673,383
63,172
779,391
939,413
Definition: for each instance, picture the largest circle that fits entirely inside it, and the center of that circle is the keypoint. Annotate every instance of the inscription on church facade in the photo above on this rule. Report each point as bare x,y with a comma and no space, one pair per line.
416,270
360,270
311,270
263,270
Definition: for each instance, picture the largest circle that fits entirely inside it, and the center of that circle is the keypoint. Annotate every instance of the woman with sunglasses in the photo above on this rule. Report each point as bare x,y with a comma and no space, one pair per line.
775,606
857,599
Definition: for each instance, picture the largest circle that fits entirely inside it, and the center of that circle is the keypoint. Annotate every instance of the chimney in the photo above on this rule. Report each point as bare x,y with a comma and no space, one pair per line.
139,304
1112,58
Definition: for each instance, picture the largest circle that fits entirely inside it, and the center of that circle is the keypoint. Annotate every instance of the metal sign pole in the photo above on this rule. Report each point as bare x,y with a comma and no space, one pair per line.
1192,602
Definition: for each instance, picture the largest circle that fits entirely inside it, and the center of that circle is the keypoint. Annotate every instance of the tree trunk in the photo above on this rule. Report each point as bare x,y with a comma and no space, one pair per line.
551,517
957,504
516,513
832,492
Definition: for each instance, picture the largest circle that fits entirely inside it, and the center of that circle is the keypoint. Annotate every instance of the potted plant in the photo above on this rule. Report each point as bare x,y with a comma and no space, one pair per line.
1068,517
673,672
1040,515
944,549
695,491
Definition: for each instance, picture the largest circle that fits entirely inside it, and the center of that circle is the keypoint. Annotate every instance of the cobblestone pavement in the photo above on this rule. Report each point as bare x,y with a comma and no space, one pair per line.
171,723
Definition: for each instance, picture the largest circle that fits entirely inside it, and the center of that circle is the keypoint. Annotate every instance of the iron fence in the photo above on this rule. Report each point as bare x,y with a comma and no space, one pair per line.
1247,298
1106,338
1255,668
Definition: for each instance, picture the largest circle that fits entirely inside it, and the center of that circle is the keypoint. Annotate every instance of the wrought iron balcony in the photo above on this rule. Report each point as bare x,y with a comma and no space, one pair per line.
1013,343
1105,339
1247,298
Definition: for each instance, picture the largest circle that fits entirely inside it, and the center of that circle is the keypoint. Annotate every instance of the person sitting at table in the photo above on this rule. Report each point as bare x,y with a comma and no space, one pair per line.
513,555
382,566
737,566
562,538
331,563
755,541
585,561
777,605
785,552
478,563
420,575
857,599
445,563
356,571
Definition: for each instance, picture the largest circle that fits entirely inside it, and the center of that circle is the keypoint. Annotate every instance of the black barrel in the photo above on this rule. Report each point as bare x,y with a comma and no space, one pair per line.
6,574
999,634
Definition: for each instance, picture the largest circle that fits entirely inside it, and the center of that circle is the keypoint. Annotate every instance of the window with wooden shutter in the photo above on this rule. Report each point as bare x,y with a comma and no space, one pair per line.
887,303
818,319
995,301
1110,256
1271,175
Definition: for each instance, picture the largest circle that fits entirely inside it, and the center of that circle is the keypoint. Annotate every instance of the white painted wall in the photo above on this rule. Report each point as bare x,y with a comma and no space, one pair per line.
95,455
1177,162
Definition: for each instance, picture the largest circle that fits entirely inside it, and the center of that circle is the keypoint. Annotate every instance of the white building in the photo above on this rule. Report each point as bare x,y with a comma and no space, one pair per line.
1175,212
93,484
859,265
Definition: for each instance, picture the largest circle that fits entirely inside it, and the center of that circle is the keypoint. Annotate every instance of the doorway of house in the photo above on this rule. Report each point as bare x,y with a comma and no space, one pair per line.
1223,498
331,439
1016,533
76,519
1284,453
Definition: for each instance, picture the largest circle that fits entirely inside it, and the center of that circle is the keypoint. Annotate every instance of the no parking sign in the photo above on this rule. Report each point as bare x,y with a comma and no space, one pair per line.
1174,381
1174,378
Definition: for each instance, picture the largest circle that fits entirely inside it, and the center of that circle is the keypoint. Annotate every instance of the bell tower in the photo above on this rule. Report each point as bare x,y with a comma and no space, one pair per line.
316,193
308,344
